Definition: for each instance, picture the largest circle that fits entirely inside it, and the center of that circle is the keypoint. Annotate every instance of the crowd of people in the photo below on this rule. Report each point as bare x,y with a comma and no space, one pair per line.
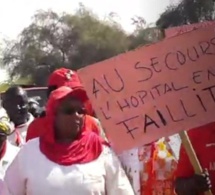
63,150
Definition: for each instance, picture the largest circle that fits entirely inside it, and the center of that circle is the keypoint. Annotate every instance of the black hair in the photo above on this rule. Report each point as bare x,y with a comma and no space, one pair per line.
14,90
50,89
11,92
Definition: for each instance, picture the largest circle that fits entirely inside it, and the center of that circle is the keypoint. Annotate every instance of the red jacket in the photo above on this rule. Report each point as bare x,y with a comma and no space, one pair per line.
203,141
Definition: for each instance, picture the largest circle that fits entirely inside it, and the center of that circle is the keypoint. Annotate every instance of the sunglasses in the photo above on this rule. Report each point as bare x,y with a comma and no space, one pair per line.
71,111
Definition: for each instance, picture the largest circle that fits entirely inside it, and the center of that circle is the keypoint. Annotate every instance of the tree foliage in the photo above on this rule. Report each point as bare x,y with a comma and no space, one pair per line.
145,36
72,41
63,40
187,12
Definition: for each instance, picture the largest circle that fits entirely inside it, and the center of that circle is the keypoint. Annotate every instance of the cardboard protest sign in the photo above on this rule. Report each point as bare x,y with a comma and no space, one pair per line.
155,91
174,31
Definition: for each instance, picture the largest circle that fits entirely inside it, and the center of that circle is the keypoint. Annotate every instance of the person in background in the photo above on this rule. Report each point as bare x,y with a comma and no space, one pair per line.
15,102
187,182
151,168
70,157
7,151
34,107
60,77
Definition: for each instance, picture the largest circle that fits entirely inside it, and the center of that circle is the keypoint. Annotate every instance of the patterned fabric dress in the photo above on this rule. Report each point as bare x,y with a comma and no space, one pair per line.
151,168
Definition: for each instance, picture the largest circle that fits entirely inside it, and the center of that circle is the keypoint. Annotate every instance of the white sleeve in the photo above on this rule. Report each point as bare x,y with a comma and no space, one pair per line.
14,176
116,179
3,188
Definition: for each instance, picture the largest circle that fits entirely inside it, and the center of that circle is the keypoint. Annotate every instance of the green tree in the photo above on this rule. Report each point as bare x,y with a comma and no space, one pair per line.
187,12
145,36
54,40
144,33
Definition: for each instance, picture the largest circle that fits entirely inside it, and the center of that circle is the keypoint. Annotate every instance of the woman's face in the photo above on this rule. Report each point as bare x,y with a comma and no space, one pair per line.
69,118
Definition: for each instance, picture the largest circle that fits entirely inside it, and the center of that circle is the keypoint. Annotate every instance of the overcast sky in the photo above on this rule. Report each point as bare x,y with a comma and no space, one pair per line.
16,14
